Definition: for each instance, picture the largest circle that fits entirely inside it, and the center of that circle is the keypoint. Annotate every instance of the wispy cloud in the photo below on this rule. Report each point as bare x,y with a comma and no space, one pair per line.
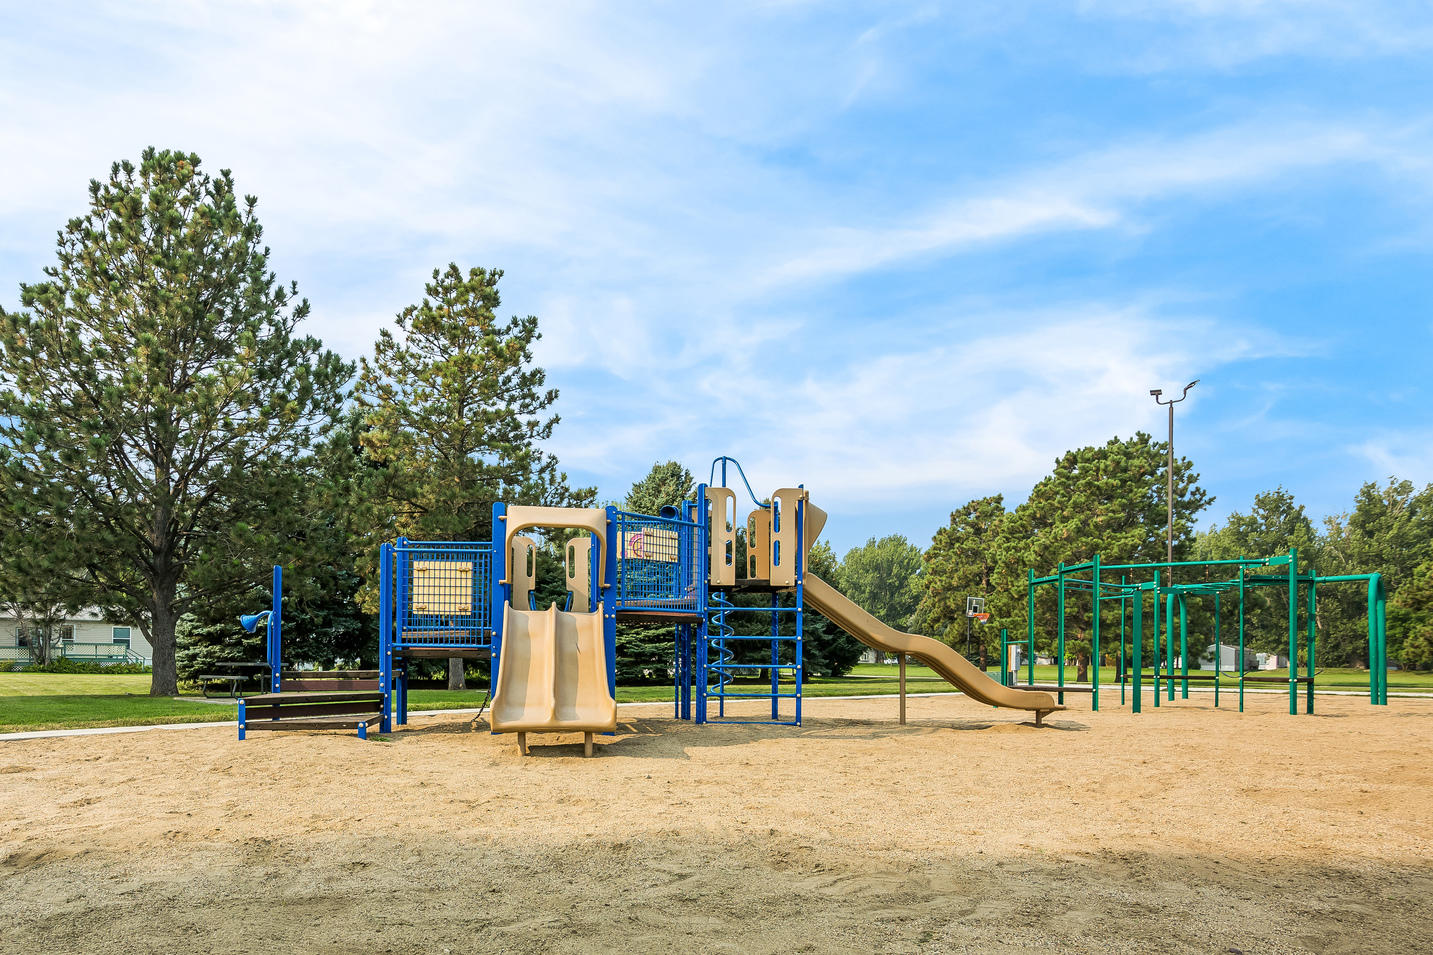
762,228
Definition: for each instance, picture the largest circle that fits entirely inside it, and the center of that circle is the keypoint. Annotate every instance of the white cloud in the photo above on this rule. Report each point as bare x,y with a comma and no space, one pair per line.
644,178
1227,34
984,409
1405,454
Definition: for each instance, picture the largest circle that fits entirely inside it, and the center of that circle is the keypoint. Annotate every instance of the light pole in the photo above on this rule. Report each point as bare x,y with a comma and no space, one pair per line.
1169,496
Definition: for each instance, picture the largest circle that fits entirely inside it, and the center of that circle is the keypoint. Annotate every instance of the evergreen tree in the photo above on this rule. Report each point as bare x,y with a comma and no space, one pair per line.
1108,500
455,415
883,577
666,484
964,561
154,390
1410,621
646,652
827,649
1272,525
1389,532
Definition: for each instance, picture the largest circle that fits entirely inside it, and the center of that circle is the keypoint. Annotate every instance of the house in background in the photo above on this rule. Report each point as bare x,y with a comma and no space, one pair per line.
84,635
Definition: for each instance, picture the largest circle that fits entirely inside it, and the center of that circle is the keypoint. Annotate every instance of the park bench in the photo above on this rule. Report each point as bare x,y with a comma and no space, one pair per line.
235,675
312,710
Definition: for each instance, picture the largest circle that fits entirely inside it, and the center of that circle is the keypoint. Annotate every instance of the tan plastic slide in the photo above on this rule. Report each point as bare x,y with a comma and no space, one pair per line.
952,667
552,675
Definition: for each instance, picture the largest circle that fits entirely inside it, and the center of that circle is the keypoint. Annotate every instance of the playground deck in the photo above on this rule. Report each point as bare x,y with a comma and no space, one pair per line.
1186,829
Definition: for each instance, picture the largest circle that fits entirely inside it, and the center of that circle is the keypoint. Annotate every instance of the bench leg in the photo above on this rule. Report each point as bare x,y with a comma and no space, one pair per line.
363,731
522,744
586,744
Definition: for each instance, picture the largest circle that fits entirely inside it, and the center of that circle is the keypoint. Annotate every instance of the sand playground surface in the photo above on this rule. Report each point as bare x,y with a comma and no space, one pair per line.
1184,829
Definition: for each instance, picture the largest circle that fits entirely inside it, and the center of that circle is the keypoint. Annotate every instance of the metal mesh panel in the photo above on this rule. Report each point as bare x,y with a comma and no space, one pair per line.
446,592
657,563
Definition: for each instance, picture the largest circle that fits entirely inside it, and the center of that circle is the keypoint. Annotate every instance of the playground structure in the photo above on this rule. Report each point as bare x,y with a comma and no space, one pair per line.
305,699
553,669
1154,581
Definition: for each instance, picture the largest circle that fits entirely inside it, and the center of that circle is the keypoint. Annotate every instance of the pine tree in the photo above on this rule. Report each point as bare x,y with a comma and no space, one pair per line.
1107,500
964,561
456,412
156,398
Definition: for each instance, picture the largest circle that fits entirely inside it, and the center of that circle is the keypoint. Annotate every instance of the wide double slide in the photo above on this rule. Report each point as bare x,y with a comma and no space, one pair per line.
552,675
952,667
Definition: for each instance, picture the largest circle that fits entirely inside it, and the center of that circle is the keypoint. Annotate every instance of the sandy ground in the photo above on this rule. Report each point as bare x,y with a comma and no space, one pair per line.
1184,829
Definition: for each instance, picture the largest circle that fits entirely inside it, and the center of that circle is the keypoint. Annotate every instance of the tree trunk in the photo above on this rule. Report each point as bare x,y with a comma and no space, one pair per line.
1082,669
164,681
456,681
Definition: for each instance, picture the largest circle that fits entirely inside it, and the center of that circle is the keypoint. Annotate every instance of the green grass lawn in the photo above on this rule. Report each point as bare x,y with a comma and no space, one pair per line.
31,701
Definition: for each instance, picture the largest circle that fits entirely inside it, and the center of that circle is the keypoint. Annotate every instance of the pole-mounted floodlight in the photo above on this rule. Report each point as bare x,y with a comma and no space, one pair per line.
1156,392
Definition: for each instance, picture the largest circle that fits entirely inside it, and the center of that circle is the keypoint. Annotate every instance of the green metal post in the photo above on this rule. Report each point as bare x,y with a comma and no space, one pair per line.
1293,630
1030,624
1005,678
1138,639
1154,624
1124,596
1095,656
1169,643
1060,640
1382,645
1372,640
1218,650
1242,665
1183,647
1313,639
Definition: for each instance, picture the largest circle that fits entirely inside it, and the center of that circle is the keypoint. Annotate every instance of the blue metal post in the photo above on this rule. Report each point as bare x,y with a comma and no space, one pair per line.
775,658
242,716
497,603
275,631
609,599
800,601
385,634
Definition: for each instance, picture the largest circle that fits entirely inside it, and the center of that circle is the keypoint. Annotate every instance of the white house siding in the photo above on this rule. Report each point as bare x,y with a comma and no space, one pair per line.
88,628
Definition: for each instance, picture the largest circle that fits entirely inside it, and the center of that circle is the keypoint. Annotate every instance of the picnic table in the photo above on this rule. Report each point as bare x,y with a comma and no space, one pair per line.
236,675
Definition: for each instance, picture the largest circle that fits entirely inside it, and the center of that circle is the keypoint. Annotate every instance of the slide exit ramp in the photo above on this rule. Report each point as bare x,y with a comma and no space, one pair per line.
952,667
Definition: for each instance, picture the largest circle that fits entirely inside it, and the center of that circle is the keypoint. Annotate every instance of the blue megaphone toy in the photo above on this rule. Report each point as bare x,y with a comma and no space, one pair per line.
251,621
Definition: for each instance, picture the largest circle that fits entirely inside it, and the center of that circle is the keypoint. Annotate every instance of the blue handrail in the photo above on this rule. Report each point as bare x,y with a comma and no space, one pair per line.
722,461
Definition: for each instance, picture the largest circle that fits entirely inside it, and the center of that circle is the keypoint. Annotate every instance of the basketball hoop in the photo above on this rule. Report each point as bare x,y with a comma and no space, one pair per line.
981,617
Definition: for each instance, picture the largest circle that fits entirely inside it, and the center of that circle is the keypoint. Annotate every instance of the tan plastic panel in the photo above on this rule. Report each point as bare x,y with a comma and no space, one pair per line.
521,517
552,674
952,667
783,536
443,587
522,569
577,558
758,545
722,570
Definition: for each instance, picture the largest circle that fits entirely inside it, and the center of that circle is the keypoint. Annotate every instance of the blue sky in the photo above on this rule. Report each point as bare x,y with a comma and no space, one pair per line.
904,254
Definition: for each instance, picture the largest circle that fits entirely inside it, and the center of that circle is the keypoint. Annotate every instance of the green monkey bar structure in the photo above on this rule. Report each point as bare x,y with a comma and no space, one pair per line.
1140,588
